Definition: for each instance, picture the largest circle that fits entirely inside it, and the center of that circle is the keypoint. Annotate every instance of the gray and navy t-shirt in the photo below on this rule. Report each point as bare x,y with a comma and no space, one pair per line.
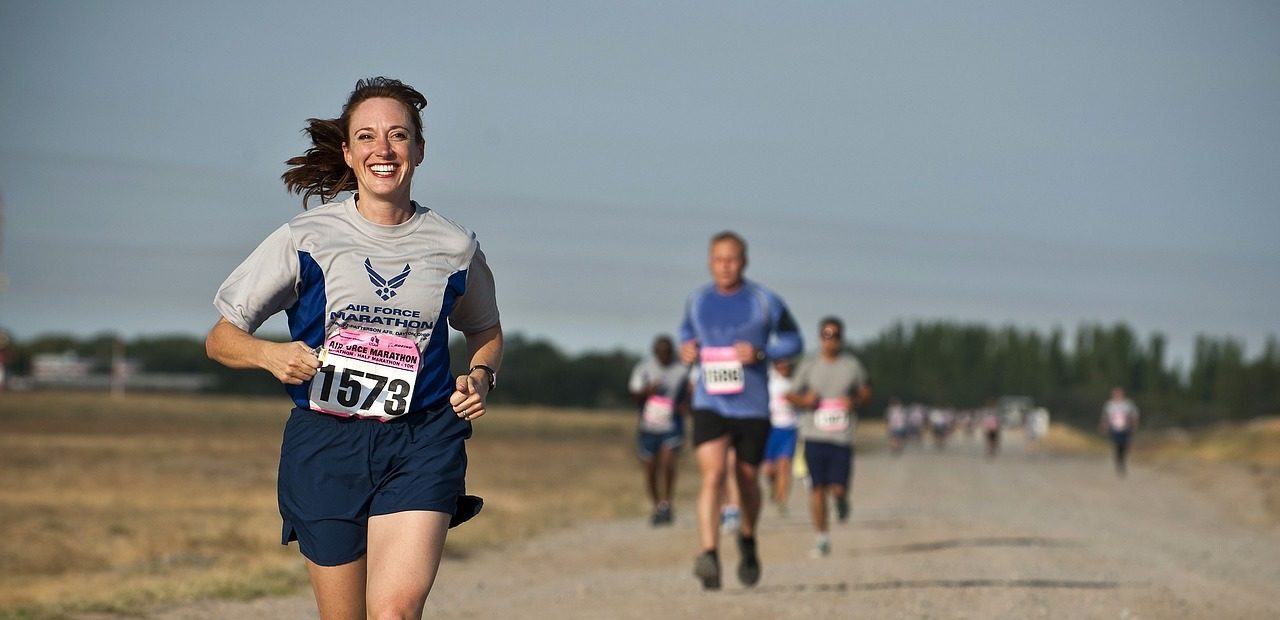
329,268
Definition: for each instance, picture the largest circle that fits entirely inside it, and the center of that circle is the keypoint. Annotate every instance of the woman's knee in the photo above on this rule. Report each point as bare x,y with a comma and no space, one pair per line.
405,610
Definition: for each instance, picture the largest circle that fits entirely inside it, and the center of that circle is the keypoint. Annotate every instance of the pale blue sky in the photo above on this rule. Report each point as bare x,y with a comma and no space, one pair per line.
1031,163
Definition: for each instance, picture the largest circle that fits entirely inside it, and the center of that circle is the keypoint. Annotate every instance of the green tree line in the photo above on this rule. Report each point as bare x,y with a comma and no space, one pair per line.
942,363
964,365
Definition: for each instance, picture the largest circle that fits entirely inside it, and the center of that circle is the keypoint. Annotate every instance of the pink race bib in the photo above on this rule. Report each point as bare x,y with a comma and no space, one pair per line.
365,374
721,371
831,416
658,415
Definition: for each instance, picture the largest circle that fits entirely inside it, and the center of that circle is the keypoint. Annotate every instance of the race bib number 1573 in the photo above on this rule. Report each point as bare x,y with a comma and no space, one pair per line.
366,375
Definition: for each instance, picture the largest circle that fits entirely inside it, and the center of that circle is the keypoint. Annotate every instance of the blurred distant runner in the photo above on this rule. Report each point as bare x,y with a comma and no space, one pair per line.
658,384
895,418
830,385
781,447
732,327
916,423
940,425
1119,419
989,420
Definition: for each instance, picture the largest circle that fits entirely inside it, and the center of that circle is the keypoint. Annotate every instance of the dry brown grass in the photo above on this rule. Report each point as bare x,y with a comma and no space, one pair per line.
1063,439
117,504
1252,443
1237,463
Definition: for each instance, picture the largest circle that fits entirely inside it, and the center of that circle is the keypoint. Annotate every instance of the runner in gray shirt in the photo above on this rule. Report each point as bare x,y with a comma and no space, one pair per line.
829,386
373,459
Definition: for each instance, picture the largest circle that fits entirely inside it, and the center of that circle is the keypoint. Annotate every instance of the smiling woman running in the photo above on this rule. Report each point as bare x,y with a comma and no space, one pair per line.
373,462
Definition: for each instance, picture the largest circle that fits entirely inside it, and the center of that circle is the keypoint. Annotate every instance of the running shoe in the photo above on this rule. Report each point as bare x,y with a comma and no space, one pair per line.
821,547
661,515
749,564
707,568
842,508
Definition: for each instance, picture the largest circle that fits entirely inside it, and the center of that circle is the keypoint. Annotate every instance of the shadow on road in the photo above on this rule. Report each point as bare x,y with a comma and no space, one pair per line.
989,541
938,583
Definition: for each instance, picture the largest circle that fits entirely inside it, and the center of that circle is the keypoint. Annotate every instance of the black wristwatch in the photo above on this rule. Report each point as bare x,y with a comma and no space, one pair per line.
492,374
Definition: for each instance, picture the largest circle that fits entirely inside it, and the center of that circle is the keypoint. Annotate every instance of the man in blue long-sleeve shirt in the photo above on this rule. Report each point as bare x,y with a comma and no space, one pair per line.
732,327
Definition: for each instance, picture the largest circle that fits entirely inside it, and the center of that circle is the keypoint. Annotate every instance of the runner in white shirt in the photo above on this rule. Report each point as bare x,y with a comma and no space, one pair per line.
1119,420
659,386
781,447
896,422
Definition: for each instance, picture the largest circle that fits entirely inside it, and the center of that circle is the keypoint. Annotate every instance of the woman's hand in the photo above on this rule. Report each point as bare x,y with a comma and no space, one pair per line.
290,362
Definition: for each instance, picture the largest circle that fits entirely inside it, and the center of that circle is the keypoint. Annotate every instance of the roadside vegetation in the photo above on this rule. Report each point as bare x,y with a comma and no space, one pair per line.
120,504
939,364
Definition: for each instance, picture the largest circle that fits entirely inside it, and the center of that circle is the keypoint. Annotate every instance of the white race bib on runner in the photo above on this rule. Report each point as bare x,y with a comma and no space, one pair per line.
1118,417
365,374
658,415
781,413
721,370
831,416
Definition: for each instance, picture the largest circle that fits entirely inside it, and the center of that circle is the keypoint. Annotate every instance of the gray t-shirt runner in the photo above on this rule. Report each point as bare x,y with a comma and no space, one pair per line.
328,268
832,381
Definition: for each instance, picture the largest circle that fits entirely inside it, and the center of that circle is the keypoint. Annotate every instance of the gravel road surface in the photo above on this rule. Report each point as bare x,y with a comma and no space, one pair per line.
934,534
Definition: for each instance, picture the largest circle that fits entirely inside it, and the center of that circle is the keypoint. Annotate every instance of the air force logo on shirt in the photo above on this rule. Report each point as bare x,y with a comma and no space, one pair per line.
384,287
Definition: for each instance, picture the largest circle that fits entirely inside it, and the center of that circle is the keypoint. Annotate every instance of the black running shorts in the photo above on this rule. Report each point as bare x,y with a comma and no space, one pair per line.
748,435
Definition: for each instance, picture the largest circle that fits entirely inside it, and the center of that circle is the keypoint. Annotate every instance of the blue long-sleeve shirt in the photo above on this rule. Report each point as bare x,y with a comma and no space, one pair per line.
752,314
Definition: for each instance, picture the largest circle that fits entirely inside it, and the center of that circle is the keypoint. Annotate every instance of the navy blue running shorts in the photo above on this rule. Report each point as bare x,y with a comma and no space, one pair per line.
336,472
828,463
649,444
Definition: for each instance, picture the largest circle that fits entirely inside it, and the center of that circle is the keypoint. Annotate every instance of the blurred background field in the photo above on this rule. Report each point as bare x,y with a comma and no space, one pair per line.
116,504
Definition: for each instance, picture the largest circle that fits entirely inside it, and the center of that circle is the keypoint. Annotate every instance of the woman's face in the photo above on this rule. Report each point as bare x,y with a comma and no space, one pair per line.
382,149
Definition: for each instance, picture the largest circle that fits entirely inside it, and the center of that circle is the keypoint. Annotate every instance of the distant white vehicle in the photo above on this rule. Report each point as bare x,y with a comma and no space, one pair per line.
1037,426
1014,409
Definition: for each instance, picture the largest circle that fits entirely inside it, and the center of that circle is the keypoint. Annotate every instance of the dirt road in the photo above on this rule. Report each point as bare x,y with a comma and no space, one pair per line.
934,534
